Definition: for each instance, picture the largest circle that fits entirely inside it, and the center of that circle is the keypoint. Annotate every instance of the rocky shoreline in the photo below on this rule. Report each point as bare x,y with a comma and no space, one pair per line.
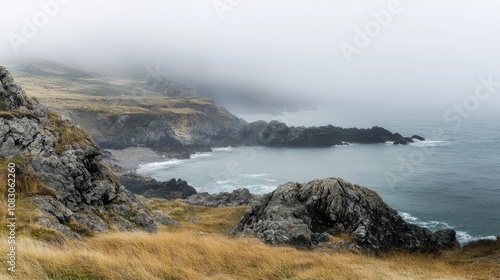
78,195
160,137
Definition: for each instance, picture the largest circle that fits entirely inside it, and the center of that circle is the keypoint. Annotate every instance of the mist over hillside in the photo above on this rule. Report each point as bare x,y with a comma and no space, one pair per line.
410,56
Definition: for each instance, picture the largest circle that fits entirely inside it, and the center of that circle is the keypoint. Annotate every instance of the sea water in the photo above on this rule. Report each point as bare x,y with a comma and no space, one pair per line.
450,180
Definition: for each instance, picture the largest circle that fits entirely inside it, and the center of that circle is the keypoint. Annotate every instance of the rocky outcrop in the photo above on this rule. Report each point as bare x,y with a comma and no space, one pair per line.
277,134
407,140
294,214
79,194
237,197
150,188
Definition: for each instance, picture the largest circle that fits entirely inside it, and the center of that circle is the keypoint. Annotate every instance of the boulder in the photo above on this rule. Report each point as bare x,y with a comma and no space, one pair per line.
302,214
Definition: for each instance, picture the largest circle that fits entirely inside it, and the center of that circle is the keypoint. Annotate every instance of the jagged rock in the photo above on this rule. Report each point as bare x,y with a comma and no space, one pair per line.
122,224
63,158
49,222
163,219
144,220
419,138
149,187
320,237
294,213
446,238
237,197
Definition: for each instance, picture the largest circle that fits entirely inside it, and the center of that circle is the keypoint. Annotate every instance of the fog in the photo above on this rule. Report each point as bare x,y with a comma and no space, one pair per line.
388,54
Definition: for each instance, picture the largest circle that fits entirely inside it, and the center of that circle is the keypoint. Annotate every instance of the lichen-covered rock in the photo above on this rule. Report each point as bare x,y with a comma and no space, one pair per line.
294,214
83,192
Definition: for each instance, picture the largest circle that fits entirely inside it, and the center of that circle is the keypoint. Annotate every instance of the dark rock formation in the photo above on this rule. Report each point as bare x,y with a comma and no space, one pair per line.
294,214
149,187
79,193
277,134
237,197
419,138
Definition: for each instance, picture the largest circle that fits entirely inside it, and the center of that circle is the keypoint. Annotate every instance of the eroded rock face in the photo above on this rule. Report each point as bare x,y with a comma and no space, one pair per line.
295,213
80,193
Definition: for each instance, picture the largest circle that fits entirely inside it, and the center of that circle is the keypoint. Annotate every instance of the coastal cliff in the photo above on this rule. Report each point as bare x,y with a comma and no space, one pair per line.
66,193
170,118
59,169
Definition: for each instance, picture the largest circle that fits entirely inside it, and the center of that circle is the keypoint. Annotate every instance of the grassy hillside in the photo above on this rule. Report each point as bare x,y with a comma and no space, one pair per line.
200,249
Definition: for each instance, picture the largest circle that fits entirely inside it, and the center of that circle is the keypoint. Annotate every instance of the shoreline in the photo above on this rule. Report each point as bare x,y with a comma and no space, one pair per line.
131,158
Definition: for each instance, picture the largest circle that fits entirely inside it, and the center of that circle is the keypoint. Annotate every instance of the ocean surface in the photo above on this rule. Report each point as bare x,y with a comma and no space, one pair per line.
450,180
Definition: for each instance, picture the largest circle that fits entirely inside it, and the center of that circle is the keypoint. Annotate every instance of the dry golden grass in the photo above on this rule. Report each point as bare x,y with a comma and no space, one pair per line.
185,253
199,218
68,134
59,93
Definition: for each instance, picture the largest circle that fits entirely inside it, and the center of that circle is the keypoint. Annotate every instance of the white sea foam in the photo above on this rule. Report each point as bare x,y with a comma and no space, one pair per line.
429,143
462,236
344,144
202,155
162,165
223,182
154,166
224,149
255,175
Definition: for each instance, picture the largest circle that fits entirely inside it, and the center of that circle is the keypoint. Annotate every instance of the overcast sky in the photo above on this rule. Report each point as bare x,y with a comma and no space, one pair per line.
429,52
